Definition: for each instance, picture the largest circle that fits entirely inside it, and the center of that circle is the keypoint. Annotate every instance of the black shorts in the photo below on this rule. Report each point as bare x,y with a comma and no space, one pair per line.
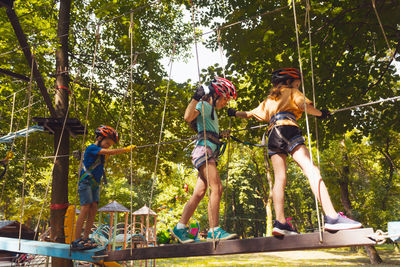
283,139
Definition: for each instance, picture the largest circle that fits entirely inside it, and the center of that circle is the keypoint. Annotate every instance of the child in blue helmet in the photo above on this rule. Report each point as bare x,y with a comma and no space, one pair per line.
282,108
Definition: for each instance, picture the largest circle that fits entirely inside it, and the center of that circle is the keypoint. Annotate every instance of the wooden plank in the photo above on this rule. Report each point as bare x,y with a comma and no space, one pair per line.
346,238
49,249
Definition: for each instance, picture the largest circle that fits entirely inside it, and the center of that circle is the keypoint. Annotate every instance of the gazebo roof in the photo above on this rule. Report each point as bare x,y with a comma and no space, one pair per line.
144,211
113,207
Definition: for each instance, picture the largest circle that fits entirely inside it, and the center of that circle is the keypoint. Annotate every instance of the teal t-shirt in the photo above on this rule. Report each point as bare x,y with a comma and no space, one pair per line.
211,125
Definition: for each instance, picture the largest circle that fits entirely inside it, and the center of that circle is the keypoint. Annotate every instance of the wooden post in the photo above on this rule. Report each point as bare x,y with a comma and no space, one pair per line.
125,228
115,230
110,231
147,229
134,225
155,230
59,192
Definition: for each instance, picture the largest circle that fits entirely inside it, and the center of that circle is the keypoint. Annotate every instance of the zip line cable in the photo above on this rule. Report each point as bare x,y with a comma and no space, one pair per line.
193,137
366,104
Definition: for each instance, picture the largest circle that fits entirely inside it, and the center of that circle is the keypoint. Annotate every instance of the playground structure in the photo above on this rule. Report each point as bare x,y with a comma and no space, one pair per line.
143,238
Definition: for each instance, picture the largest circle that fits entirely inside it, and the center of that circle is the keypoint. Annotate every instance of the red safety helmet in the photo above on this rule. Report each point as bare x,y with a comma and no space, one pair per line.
224,88
284,74
107,132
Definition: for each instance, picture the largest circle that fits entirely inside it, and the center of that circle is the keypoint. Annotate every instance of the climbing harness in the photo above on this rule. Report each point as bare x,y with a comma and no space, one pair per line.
215,139
87,174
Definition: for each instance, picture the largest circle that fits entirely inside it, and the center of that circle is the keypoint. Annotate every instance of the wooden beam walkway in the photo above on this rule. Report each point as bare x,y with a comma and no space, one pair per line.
348,238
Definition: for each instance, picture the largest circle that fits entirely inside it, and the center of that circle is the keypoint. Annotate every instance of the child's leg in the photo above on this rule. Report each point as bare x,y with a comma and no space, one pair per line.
302,157
278,192
90,220
191,205
216,192
81,219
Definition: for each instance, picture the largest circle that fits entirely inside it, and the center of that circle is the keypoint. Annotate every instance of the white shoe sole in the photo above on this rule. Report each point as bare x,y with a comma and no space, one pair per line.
231,236
342,226
280,232
180,241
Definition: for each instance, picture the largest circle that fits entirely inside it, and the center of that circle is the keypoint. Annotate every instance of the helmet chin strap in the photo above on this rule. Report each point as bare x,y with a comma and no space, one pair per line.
214,100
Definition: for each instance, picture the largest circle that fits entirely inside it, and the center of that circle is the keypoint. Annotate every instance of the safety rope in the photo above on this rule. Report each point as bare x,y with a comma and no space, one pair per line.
162,126
12,112
96,48
308,8
26,151
381,26
306,115
132,60
221,54
204,122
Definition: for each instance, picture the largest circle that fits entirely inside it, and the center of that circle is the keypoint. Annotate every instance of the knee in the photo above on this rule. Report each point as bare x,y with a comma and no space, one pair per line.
199,194
217,189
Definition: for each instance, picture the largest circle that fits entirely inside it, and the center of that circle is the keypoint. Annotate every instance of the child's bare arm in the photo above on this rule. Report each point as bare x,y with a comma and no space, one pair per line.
243,114
191,112
116,151
312,110
240,114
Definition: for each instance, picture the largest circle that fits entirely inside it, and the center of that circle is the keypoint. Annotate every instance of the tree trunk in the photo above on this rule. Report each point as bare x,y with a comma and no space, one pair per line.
373,255
59,194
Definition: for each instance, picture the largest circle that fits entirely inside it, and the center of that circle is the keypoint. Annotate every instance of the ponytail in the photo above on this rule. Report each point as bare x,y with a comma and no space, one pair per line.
275,91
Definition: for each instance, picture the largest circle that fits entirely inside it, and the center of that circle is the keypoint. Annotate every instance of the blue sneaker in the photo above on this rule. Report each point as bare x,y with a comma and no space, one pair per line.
220,234
182,235
281,229
341,222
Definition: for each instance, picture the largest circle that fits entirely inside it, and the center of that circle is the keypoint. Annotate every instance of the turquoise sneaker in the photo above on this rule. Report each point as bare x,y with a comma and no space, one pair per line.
182,235
220,235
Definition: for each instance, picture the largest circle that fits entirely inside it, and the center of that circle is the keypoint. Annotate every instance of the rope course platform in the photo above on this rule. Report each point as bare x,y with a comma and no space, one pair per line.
50,249
348,238
73,125
21,133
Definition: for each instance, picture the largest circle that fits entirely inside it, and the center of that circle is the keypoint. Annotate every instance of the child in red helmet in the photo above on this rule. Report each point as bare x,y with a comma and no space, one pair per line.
214,96
282,108
91,174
